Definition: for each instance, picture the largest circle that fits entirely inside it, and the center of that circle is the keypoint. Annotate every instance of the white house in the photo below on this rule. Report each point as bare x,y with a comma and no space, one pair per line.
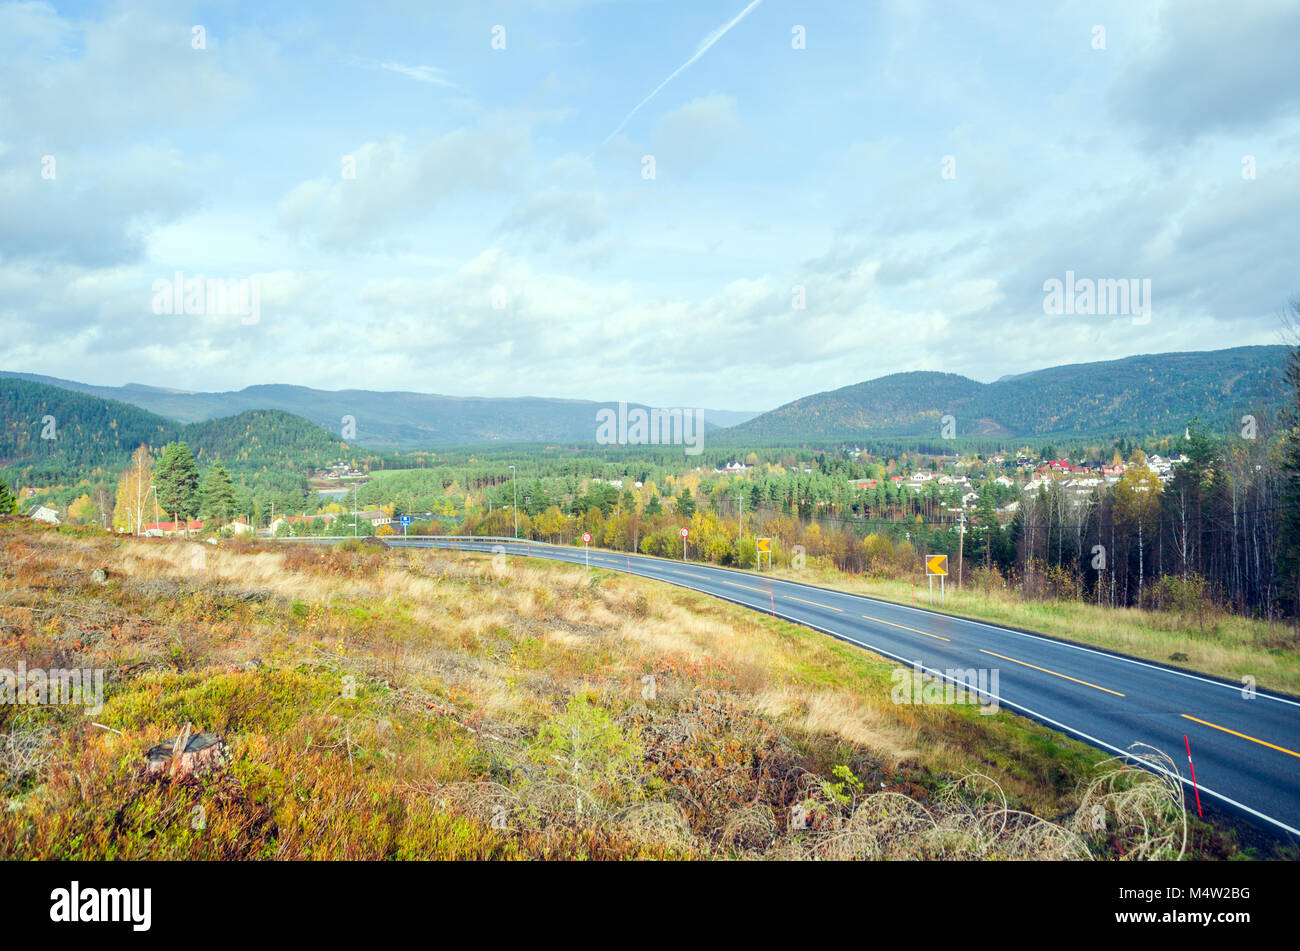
43,513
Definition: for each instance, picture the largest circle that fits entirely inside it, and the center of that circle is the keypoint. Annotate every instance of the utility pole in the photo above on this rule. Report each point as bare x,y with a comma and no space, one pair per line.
740,520
514,484
961,538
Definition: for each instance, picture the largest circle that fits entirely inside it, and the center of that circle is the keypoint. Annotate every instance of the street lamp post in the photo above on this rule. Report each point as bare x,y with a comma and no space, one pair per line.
514,484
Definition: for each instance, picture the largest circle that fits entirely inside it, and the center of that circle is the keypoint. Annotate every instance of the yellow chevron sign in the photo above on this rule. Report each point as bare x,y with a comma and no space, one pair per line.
936,565
765,544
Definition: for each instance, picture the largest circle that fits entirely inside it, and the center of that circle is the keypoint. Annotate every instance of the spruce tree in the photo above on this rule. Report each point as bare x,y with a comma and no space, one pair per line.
8,501
218,494
177,479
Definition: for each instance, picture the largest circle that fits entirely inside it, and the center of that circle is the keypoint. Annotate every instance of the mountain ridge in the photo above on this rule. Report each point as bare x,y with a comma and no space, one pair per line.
1140,395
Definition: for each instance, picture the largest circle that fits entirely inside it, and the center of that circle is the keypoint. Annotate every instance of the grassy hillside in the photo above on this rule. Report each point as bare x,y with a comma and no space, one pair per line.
1134,397
424,704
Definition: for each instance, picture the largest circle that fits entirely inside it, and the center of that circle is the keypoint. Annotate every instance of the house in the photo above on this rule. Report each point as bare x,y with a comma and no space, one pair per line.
969,499
43,513
375,517
1004,481
240,526
158,529
298,520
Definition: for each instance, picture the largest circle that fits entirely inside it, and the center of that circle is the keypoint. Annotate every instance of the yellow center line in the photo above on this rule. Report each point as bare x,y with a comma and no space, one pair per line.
1053,673
906,628
828,607
1280,749
747,587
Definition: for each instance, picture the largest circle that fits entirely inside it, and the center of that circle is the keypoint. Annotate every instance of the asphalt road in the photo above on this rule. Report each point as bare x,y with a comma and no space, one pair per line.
1245,749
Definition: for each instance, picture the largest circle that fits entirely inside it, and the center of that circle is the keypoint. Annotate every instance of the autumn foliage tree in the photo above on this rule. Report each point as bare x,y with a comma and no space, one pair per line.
133,492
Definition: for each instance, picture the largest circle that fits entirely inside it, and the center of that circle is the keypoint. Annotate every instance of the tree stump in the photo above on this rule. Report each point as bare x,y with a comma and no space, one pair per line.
187,755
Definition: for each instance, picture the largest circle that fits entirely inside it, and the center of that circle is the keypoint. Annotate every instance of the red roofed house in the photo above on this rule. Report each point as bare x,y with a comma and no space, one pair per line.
155,529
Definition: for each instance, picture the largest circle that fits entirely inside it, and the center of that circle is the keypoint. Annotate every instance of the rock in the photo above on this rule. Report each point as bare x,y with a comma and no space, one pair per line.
99,576
198,754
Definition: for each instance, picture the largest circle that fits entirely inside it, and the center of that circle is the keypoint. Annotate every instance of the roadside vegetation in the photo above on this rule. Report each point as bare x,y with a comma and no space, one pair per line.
412,704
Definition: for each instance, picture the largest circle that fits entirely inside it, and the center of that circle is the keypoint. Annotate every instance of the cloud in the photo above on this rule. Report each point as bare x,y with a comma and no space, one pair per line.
691,135
396,185
571,216
432,75
1214,68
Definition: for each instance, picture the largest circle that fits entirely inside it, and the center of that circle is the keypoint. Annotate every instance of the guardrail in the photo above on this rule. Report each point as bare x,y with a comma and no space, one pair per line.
385,538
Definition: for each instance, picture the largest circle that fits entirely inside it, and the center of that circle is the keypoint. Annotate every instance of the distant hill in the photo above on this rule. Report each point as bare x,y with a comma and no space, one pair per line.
384,420
1154,394
90,432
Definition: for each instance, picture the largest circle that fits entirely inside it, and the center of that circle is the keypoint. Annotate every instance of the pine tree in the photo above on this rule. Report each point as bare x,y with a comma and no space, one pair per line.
218,494
8,501
177,479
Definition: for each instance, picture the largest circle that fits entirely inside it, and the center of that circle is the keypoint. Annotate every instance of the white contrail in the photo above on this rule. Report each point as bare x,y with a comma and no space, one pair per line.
704,48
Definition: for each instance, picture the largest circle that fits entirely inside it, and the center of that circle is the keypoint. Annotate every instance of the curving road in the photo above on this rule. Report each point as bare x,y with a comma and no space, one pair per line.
1245,749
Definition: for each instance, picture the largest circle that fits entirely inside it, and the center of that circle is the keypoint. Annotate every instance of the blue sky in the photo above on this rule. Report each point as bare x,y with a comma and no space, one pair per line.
482,170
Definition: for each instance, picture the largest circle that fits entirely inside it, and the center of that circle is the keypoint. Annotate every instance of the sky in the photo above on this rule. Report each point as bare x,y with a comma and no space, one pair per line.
716,203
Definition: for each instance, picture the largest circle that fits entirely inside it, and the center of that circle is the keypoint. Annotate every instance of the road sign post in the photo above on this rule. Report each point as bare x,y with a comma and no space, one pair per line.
406,520
586,552
764,548
936,566
685,532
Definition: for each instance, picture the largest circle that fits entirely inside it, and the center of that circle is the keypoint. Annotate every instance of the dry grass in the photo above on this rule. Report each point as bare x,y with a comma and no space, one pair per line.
420,704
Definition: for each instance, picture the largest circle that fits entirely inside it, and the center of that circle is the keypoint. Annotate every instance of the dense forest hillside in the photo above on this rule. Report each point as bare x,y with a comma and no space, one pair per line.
51,435
386,420
1149,395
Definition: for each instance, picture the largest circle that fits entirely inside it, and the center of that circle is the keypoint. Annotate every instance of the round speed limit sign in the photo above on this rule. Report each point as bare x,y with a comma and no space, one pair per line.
685,532
586,538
